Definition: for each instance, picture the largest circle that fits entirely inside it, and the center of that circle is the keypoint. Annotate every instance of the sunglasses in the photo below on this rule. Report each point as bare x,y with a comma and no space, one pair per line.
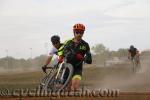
78,32
54,43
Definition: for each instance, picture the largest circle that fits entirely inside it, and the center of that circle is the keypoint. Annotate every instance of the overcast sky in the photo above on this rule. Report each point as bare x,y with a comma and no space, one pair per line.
26,24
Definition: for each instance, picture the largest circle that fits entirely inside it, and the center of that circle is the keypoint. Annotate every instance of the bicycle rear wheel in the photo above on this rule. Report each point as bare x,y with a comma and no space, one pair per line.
54,84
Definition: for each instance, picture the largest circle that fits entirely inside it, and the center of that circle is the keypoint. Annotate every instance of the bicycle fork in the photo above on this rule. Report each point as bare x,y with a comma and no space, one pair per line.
63,72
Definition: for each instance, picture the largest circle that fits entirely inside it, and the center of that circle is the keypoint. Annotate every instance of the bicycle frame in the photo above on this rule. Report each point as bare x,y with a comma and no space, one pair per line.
60,66
59,69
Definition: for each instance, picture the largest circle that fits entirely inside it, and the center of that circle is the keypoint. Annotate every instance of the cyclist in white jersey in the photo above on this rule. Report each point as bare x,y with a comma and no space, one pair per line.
53,57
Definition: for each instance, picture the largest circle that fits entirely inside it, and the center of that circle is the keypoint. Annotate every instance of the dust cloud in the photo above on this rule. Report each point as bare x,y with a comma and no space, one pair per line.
5,71
129,81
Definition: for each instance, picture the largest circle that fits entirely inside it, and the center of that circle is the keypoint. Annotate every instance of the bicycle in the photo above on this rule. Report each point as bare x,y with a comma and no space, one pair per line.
54,80
135,64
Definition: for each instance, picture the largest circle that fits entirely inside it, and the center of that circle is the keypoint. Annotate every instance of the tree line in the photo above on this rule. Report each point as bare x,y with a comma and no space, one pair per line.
99,53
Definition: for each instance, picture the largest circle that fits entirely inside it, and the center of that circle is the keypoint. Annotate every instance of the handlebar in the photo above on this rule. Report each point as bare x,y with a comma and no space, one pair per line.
45,68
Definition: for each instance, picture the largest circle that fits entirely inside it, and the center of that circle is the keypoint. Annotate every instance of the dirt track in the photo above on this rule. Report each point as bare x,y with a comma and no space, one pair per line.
114,77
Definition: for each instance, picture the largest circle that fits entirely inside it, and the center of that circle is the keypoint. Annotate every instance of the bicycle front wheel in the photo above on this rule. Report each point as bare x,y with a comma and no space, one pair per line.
56,84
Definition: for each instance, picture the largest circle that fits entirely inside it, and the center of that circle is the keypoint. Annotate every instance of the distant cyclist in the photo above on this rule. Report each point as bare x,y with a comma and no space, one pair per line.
55,39
134,52
76,50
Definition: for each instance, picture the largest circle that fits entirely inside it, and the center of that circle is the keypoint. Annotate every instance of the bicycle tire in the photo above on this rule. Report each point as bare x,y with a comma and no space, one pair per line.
45,79
138,65
132,64
51,78
135,65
